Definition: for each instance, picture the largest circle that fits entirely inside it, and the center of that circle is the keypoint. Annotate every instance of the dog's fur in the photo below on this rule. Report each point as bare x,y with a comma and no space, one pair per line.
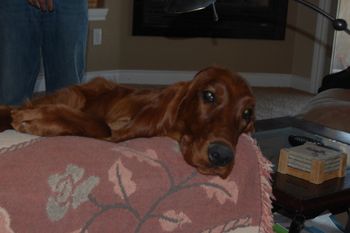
105,110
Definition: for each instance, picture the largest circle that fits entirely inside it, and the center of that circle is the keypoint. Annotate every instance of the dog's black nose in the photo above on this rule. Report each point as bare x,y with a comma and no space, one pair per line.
220,154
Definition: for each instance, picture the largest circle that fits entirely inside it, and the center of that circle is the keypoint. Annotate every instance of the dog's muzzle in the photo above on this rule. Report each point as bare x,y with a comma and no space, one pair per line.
219,154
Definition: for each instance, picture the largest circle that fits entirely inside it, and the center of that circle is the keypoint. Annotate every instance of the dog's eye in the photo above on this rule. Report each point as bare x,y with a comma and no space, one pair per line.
209,97
247,114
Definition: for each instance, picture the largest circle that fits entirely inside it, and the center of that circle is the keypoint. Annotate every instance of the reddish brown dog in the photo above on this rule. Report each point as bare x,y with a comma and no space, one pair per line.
206,115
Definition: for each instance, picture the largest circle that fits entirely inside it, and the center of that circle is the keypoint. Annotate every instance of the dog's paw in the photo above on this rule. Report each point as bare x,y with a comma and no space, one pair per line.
27,120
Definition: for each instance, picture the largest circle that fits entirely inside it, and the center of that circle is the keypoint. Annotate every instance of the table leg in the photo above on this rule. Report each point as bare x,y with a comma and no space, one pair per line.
297,224
347,227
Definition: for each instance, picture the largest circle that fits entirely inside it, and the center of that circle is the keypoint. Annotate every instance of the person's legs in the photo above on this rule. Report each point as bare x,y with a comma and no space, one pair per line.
64,43
20,38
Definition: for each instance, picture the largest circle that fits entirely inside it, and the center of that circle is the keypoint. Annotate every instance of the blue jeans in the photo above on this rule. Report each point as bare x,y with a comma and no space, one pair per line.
27,34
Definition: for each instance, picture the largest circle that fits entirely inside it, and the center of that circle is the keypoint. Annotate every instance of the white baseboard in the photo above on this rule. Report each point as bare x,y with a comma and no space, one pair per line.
165,77
277,80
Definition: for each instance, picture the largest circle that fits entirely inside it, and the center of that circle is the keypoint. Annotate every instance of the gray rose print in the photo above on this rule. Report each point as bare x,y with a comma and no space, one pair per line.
68,190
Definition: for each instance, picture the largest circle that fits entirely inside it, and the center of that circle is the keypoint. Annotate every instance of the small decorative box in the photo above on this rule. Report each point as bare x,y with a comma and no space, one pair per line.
311,162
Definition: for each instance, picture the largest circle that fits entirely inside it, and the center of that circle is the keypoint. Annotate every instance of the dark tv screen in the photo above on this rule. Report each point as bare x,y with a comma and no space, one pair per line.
253,19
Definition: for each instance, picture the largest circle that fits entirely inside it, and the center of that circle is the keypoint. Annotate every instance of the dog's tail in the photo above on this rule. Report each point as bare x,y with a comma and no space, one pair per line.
5,118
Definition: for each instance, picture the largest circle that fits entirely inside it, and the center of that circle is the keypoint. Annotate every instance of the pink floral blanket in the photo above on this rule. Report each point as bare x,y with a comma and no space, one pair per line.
82,185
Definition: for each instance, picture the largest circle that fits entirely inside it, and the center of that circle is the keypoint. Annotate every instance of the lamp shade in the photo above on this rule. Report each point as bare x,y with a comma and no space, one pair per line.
182,6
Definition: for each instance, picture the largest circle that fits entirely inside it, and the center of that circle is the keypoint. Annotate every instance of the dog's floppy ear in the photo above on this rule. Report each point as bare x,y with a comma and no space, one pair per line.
178,95
198,77
189,91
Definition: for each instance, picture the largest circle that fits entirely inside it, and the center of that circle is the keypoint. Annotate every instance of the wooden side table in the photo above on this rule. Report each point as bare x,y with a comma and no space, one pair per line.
301,200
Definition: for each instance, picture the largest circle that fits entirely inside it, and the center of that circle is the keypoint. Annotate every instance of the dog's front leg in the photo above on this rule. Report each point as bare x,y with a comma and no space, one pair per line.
54,120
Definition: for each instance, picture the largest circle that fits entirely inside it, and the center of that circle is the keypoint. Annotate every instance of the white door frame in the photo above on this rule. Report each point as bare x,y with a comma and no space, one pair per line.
318,68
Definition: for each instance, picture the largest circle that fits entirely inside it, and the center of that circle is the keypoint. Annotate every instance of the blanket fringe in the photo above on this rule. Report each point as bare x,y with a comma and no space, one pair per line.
265,171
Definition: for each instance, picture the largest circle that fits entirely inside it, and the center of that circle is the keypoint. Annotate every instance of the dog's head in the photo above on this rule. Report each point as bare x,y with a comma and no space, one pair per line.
217,108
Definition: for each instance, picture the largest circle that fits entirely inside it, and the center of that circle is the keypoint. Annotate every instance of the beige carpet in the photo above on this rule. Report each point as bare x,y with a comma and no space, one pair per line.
274,102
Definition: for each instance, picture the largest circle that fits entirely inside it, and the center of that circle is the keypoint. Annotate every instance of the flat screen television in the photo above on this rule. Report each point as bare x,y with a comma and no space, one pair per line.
252,19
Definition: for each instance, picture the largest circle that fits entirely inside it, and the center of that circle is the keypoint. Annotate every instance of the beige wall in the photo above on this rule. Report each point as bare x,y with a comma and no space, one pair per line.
303,29
120,50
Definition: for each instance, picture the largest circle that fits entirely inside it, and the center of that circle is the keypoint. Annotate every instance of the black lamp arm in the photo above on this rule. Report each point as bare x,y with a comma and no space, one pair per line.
316,8
182,6
338,24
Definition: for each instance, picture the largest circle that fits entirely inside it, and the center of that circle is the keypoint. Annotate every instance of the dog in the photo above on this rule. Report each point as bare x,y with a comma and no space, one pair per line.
206,115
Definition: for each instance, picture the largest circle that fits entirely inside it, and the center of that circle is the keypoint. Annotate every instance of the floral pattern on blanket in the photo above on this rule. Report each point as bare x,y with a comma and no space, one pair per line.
5,222
68,192
84,185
